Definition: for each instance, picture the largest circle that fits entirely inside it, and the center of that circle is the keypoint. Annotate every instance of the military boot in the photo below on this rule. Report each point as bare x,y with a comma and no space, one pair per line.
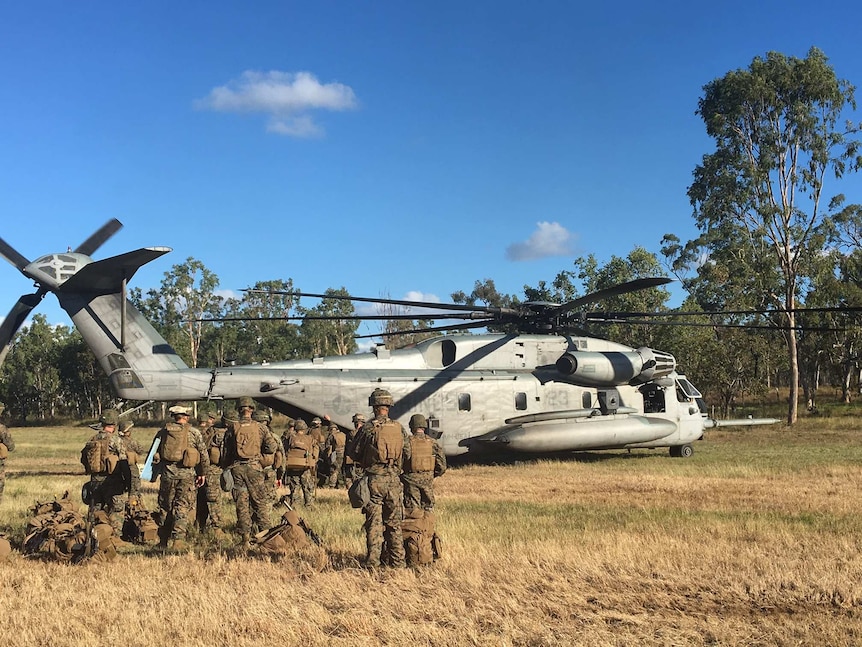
245,540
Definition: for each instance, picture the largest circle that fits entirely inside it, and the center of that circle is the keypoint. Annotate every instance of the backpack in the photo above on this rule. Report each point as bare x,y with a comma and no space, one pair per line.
175,442
421,454
247,436
417,531
300,452
139,525
339,440
94,455
386,444
291,533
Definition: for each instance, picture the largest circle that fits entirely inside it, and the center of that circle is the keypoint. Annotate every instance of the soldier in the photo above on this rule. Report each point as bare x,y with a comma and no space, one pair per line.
101,460
208,515
379,449
319,433
183,462
335,448
272,471
300,451
351,468
7,444
245,444
426,461
131,452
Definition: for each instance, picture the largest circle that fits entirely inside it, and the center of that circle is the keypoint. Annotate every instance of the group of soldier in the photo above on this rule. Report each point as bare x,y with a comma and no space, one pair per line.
241,455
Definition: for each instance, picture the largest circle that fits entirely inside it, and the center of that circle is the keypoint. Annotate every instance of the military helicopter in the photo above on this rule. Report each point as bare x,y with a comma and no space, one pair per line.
541,389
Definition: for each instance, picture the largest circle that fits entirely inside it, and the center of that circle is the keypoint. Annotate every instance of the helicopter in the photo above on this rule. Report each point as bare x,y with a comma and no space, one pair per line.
544,388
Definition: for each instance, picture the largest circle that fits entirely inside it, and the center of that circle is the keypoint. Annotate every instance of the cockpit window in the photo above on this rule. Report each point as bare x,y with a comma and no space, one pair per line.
688,388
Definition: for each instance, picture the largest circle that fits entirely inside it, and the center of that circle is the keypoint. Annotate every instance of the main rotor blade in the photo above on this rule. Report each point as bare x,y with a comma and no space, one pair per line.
398,302
19,313
703,313
616,290
473,324
95,241
444,315
693,324
11,254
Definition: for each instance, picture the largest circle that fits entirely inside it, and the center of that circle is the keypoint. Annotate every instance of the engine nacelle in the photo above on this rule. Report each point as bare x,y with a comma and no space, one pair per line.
613,368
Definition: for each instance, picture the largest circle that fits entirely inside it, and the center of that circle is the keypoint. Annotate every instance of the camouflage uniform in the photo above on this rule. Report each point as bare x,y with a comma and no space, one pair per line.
351,468
176,497
131,453
107,489
6,439
249,487
335,448
419,485
208,515
272,473
304,482
320,435
384,545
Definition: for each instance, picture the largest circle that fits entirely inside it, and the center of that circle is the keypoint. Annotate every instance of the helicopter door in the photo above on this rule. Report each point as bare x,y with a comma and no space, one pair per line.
688,400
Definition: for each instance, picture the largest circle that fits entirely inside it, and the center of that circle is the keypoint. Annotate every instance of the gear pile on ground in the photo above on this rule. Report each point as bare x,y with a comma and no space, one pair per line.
139,525
292,538
57,531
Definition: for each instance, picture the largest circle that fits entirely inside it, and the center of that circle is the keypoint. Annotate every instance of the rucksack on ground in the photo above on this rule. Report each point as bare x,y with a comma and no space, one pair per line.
418,533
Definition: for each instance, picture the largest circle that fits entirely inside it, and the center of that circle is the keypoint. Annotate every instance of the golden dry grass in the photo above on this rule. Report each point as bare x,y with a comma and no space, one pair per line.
753,541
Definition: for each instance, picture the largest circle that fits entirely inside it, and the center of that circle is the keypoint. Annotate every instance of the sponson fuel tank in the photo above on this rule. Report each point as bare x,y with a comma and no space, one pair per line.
569,434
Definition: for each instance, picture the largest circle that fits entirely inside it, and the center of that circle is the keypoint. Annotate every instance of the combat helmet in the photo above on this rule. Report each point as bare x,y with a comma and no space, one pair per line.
261,415
300,425
181,408
380,397
417,421
230,415
359,417
316,421
110,417
245,401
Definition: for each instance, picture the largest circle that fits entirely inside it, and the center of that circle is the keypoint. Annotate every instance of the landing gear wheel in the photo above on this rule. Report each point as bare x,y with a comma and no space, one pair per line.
682,451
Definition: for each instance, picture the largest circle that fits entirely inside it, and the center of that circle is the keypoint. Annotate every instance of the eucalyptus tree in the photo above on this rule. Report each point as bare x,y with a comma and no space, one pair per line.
333,336
778,139
30,378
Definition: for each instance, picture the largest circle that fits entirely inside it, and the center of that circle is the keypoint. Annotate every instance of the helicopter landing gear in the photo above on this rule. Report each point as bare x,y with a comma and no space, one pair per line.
681,451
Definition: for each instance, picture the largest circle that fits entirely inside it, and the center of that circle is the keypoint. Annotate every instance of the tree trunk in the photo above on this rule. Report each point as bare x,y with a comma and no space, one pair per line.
793,403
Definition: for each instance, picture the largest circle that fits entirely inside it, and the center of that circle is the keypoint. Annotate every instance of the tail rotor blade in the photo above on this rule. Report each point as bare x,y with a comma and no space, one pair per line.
19,313
11,254
95,241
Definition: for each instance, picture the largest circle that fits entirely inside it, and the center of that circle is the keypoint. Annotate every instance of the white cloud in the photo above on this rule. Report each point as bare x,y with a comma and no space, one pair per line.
287,98
549,239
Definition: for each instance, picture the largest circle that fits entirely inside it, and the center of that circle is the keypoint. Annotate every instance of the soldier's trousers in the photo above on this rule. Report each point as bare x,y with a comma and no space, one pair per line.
207,514
383,513
336,476
418,490
250,491
270,478
176,502
109,496
304,484
2,478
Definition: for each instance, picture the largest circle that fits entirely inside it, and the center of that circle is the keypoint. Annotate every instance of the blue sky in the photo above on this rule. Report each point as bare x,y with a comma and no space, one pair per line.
396,148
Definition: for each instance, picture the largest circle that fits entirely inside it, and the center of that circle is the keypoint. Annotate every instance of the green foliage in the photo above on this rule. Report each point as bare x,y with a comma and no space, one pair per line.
758,198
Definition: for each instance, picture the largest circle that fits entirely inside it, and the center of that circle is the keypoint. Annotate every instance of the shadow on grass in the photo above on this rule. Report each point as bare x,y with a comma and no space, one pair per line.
512,458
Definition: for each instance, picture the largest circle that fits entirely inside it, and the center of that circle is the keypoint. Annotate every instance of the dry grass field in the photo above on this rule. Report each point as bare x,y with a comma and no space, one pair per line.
755,540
